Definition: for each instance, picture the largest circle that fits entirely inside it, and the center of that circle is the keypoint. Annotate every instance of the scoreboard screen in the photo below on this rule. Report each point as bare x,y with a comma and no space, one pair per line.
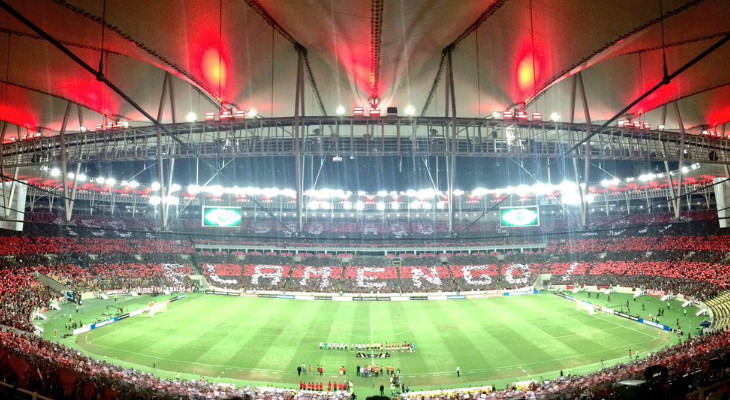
221,217
519,216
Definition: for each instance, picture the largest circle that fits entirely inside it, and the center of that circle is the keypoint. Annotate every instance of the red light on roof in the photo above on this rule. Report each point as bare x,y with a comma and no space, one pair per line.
239,114
99,126
647,125
375,112
209,116
225,115
536,116
508,114
522,115
637,124
358,111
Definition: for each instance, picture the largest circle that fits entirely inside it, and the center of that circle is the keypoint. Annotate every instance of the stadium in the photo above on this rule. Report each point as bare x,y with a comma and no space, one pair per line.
328,200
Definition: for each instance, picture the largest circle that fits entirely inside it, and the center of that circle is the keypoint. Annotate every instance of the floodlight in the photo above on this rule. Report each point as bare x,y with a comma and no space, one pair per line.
340,110
191,117
155,186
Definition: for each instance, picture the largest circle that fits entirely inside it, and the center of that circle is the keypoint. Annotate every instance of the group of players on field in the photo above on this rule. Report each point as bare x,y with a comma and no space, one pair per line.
405,346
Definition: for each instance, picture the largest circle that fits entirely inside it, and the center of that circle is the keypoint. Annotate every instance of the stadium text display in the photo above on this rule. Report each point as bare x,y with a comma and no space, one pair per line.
519,216
221,217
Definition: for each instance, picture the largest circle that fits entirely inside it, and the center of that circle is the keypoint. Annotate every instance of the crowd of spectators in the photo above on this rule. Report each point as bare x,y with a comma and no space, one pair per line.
687,263
54,370
20,296
142,277
696,362
699,279
367,231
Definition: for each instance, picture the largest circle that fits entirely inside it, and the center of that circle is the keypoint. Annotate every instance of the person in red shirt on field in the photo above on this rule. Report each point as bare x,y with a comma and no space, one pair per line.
329,386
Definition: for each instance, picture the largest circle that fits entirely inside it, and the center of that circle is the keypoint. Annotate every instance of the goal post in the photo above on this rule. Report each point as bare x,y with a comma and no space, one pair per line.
585,306
155,308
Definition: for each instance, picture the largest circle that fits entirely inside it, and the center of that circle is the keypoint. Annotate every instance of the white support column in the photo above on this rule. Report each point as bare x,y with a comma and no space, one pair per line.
678,197
171,170
587,159
451,141
160,165
670,180
298,159
64,167
573,92
6,208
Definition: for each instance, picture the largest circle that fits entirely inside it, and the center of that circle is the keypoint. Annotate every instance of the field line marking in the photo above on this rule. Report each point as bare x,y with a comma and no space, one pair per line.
106,333
521,366
227,367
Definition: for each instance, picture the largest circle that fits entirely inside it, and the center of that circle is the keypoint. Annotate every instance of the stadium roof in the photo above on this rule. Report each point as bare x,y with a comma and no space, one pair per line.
244,53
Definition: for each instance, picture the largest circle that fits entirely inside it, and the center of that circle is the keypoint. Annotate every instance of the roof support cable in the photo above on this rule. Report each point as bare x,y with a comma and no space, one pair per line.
100,73
665,78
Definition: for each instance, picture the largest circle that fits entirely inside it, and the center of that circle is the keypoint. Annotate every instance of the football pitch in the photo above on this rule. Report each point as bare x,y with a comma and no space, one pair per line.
262,341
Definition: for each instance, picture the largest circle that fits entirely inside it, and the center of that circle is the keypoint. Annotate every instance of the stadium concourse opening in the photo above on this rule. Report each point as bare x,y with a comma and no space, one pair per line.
421,200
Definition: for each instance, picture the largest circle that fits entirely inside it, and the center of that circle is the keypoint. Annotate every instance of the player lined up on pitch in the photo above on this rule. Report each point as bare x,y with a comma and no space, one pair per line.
403,347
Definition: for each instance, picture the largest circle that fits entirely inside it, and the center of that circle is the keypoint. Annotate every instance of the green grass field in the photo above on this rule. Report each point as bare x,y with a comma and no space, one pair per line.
261,341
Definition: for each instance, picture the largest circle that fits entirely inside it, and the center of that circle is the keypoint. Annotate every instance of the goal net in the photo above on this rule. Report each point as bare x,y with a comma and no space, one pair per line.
584,306
155,308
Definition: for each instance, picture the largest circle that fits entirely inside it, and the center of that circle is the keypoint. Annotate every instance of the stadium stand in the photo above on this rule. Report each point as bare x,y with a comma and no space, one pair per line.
90,263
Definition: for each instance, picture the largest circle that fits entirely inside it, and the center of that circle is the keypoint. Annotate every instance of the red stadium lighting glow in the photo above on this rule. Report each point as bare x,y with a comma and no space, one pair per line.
508,114
239,114
358,111
225,115
536,116
647,126
522,115
637,124
209,116
375,112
